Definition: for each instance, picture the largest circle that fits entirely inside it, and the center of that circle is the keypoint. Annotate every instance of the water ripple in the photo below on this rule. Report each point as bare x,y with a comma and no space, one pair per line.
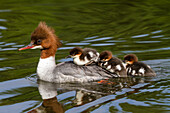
91,37
91,104
139,36
17,45
3,59
3,20
159,36
2,42
77,44
66,95
116,41
64,60
6,68
158,31
138,51
14,84
105,108
8,49
148,41
98,39
12,46
5,10
18,107
3,28
103,44
65,48
7,44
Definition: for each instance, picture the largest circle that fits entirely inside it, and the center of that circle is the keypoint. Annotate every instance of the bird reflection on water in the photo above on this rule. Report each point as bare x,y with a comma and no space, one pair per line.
85,94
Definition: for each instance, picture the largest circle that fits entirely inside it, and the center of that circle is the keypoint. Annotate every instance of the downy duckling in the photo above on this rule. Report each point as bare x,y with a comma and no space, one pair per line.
112,64
84,56
136,68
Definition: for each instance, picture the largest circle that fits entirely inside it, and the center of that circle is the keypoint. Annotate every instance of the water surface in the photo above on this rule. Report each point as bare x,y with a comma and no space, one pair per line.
123,27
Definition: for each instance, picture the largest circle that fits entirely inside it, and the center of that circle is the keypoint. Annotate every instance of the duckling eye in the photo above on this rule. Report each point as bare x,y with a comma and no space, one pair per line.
39,41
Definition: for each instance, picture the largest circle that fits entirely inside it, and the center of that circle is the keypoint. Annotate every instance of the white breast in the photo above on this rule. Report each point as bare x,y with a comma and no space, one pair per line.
80,62
45,68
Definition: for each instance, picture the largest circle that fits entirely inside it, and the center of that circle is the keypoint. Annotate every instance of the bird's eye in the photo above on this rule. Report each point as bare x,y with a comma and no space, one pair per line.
39,41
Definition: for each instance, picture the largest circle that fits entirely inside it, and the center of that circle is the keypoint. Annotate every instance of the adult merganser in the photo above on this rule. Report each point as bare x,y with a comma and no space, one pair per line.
44,38
136,68
84,56
112,64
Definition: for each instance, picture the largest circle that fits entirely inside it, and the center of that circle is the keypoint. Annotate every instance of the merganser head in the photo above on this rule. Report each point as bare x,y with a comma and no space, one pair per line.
75,52
105,56
130,58
44,38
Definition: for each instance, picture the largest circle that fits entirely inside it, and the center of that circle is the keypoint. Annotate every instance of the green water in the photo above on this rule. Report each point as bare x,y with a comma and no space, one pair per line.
123,27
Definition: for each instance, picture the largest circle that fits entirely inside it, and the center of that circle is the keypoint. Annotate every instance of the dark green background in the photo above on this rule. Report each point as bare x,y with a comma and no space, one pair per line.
141,27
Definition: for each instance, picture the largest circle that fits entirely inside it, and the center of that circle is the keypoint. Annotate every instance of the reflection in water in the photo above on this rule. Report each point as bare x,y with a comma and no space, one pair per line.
49,106
139,27
50,103
87,94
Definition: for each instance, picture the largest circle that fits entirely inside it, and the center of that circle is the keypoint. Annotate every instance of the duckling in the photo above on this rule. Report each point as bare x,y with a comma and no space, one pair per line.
112,64
136,68
84,56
